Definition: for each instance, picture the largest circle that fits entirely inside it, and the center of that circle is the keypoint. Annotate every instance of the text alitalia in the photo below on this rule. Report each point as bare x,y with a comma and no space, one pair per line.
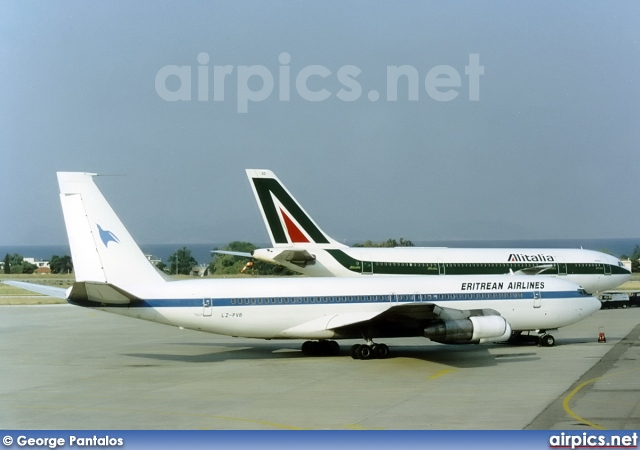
521,257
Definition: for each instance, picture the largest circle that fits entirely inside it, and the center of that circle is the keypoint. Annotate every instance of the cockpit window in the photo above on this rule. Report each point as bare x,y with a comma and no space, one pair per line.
582,292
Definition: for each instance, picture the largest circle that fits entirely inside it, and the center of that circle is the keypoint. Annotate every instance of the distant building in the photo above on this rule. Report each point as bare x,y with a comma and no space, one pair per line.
153,259
42,266
37,262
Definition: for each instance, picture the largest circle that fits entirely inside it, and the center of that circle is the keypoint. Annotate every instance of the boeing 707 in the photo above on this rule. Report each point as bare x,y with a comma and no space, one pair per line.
113,275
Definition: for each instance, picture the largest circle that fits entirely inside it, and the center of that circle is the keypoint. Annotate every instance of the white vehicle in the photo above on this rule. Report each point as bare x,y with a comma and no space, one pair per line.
614,299
113,275
301,246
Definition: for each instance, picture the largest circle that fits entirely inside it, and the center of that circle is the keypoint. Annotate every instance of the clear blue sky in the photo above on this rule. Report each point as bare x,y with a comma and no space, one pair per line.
547,149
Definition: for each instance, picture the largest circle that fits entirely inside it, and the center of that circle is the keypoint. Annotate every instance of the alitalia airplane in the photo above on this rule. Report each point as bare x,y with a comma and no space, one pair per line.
113,275
301,246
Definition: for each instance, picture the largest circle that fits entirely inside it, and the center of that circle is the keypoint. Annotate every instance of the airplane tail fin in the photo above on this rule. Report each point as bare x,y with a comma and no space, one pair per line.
287,222
102,249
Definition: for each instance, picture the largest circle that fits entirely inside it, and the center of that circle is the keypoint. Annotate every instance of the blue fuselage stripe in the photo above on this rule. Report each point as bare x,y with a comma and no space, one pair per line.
348,299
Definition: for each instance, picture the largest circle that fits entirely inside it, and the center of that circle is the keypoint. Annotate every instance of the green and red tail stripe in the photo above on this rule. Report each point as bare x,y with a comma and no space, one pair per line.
286,221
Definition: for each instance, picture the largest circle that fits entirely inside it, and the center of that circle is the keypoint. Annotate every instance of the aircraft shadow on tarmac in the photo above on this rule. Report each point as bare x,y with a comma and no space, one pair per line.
455,356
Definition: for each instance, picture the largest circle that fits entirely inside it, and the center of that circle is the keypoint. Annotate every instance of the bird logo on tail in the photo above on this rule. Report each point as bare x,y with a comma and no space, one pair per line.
107,236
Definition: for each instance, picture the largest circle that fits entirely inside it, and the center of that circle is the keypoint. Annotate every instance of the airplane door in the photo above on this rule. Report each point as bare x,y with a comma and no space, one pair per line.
367,265
537,301
441,268
206,307
607,269
562,267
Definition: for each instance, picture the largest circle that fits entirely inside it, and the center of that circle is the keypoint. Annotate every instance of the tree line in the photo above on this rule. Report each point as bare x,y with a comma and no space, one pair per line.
388,243
15,263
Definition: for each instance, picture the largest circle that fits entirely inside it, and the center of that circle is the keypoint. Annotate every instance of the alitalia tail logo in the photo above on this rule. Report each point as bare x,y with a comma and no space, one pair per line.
522,257
296,235
287,221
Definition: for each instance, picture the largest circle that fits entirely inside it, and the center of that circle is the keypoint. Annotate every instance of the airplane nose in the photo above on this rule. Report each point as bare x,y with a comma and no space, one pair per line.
593,305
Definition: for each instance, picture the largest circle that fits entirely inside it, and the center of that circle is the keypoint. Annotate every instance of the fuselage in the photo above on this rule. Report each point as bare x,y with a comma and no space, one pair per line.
304,308
594,271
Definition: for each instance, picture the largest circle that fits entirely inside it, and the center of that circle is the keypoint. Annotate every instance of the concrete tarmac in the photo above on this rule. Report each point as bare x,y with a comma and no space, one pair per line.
65,367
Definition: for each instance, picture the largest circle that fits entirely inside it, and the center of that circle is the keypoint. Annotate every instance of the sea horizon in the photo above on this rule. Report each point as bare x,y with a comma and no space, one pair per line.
202,251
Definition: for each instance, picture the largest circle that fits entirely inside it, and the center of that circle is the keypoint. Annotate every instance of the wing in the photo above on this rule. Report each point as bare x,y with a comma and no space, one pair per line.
535,270
445,325
51,291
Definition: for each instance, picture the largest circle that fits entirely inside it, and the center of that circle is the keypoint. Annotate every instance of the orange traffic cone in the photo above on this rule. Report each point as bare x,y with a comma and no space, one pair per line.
601,337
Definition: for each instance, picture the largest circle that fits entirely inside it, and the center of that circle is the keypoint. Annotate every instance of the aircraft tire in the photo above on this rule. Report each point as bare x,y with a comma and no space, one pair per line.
365,352
381,351
546,340
307,348
354,351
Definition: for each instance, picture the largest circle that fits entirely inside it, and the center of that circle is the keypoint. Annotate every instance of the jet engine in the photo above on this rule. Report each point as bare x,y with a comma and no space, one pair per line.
474,330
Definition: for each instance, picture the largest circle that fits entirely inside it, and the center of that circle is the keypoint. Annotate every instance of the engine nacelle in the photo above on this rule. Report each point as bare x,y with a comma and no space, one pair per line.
474,330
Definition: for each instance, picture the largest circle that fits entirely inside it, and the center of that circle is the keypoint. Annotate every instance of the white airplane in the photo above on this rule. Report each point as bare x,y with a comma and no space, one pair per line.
301,246
113,275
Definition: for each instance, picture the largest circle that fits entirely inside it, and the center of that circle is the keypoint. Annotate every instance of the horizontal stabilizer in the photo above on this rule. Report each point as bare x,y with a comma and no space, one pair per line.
229,252
51,291
299,257
88,294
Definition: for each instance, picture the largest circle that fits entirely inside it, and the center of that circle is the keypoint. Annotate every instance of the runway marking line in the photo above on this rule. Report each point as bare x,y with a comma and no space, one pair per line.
441,373
568,410
567,399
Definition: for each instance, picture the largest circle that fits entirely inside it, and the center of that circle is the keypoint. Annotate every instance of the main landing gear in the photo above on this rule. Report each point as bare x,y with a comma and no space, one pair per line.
369,351
321,348
543,340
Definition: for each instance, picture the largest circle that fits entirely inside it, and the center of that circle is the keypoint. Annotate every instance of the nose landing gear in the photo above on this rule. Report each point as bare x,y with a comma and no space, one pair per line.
546,340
